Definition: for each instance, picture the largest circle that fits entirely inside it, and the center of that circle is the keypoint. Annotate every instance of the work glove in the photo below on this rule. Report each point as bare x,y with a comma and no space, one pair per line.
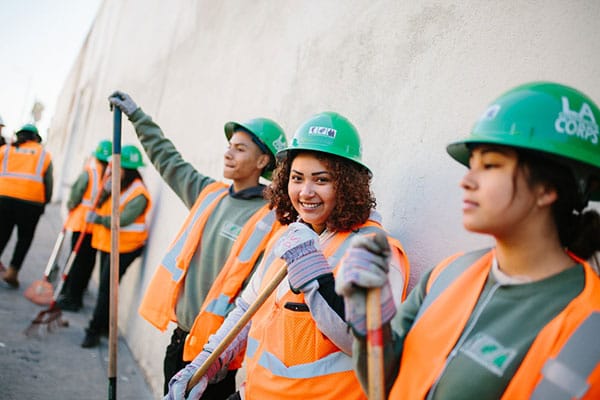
365,266
123,102
91,217
299,247
179,382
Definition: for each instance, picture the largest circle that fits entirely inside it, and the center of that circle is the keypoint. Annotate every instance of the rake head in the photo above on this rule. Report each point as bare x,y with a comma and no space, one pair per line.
40,293
48,319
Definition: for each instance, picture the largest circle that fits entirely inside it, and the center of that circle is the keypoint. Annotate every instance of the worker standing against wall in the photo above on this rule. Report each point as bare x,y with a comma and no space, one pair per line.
134,205
25,189
81,199
298,345
520,320
219,212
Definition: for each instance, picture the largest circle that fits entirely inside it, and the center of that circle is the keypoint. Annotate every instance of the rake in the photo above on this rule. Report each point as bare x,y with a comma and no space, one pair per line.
41,292
52,316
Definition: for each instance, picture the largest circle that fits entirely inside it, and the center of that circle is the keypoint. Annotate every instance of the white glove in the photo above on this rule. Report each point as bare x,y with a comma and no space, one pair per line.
365,266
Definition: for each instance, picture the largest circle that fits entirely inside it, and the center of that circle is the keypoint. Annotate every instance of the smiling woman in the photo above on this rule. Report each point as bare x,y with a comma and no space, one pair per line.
301,329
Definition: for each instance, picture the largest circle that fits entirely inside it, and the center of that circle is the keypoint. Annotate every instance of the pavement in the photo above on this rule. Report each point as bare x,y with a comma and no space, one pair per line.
50,364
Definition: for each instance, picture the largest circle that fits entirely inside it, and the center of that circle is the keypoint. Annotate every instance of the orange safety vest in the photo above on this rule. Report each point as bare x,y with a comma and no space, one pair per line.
220,300
287,355
563,362
22,171
132,236
76,218
160,299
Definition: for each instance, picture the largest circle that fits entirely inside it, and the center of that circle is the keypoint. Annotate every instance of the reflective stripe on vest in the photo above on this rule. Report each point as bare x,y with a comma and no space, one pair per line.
76,219
565,377
335,362
131,236
35,177
95,180
447,276
330,364
170,259
223,304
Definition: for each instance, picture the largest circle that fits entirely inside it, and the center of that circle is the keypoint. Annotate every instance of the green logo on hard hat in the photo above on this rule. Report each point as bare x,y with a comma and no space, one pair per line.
322,131
581,124
279,143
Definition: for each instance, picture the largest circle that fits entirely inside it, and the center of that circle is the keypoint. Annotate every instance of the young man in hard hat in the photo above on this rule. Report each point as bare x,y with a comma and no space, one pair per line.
25,189
220,215
84,192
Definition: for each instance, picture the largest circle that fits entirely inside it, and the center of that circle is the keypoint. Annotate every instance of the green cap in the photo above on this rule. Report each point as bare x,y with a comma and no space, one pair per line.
546,117
267,135
28,128
131,157
103,150
328,132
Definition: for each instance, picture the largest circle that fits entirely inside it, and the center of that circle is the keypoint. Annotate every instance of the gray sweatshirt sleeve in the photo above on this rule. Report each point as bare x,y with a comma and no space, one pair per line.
179,174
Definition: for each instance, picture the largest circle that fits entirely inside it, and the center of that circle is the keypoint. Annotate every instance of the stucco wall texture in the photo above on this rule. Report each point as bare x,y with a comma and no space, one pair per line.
412,76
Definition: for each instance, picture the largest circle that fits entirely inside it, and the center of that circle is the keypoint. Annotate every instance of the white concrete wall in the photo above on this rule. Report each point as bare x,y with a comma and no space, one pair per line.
412,76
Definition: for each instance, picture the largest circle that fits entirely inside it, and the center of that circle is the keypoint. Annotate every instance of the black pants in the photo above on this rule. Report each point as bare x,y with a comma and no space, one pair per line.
99,322
81,270
25,217
174,362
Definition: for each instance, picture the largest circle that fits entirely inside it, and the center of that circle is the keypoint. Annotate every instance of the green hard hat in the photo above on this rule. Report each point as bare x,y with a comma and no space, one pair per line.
266,131
103,150
547,117
29,128
131,157
328,132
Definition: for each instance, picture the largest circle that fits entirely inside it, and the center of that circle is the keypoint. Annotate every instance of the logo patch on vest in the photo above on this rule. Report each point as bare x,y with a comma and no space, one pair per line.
230,230
486,351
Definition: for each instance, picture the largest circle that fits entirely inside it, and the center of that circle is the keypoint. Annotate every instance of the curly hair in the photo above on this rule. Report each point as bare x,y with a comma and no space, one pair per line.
352,182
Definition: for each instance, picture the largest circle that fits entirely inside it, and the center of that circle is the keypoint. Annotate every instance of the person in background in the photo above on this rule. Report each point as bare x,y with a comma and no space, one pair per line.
2,140
187,287
519,320
25,189
84,191
134,205
298,345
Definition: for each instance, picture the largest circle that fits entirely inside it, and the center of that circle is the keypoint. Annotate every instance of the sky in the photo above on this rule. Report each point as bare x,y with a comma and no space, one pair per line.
39,42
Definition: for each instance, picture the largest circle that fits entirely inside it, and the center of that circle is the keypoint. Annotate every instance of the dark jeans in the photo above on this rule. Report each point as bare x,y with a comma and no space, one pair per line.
174,362
99,322
81,270
25,217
